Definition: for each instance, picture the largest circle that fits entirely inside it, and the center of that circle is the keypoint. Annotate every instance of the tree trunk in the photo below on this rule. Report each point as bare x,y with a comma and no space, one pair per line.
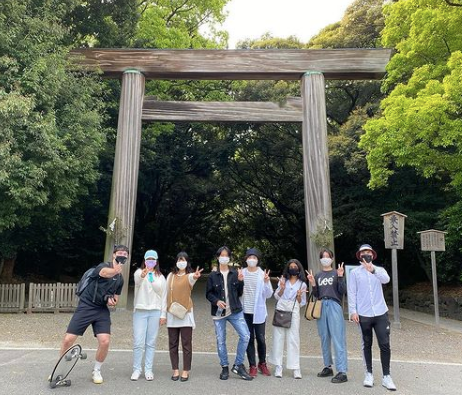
8,268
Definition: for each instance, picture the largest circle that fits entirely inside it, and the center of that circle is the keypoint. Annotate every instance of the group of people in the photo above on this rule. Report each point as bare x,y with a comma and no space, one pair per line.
238,296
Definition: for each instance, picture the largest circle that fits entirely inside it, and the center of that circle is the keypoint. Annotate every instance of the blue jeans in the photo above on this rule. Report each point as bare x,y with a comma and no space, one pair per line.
238,322
145,331
331,329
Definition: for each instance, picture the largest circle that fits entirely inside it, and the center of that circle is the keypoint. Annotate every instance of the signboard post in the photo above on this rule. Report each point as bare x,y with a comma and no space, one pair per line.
393,228
433,240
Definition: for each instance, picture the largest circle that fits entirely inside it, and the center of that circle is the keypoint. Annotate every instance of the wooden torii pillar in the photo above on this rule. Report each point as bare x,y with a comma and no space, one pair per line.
309,66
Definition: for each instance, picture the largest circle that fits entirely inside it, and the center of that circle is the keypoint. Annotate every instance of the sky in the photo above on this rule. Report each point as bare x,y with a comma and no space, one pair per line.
281,18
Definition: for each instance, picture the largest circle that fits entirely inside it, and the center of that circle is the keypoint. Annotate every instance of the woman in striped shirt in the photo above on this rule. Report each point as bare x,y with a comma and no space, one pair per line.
257,288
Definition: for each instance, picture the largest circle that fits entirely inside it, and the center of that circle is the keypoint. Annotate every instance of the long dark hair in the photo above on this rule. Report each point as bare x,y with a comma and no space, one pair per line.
184,255
301,274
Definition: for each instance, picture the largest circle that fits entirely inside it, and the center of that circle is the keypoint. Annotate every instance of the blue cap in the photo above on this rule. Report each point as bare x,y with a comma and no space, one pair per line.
151,254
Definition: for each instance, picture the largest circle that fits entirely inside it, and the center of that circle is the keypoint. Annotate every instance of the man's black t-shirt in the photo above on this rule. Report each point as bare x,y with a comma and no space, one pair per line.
106,287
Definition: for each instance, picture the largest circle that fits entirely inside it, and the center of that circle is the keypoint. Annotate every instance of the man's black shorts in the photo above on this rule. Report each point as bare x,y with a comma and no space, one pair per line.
85,315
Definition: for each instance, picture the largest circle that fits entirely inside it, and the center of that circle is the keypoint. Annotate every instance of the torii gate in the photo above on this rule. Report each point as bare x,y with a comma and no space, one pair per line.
311,67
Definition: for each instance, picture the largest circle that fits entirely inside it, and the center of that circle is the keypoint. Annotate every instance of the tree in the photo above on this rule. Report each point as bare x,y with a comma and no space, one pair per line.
420,121
50,116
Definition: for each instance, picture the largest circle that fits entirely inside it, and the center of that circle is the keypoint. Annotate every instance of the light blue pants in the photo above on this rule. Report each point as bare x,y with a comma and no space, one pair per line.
238,322
331,329
145,331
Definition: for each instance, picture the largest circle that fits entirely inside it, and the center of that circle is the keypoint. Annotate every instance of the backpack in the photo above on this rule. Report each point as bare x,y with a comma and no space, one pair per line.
85,281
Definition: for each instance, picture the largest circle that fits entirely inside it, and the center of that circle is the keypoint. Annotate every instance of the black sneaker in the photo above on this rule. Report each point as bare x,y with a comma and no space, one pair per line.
224,375
241,372
340,377
326,372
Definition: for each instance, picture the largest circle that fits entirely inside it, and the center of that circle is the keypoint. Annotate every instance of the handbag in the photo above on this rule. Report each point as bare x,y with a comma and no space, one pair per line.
314,308
178,310
283,319
175,308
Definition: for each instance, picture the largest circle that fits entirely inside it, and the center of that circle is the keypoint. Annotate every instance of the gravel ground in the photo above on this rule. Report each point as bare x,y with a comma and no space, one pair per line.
413,342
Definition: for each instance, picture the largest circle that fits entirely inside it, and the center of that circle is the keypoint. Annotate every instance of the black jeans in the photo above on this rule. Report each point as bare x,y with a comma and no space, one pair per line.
381,326
257,331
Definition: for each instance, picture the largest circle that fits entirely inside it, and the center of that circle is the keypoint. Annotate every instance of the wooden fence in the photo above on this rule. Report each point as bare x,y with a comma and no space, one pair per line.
54,298
12,298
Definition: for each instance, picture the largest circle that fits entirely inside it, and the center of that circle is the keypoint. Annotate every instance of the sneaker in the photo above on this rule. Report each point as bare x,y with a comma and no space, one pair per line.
368,380
241,372
340,377
135,375
224,373
388,383
96,376
149,376
297,374
327,371
253,371
278,371
263,368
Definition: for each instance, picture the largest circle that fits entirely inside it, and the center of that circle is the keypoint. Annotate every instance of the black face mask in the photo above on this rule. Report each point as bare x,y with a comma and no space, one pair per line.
367,258
294,272
121,259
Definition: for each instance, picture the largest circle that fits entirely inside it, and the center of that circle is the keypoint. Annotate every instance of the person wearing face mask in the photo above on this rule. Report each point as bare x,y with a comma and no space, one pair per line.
103,290
367,307
329,286
149,312
257,288
290,295
179,286
224,288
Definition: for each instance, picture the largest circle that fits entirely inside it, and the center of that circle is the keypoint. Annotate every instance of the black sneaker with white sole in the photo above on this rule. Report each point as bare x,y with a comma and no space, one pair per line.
241,372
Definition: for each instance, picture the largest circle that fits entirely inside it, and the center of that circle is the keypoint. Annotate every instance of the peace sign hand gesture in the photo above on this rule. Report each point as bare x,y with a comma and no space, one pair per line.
240,275
310,277
197,273
367,265
340,270
267,275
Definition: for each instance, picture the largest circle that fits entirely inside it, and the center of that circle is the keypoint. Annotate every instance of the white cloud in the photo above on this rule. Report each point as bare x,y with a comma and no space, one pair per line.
300,18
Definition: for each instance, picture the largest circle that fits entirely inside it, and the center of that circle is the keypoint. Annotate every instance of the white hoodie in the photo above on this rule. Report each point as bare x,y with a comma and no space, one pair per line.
150,296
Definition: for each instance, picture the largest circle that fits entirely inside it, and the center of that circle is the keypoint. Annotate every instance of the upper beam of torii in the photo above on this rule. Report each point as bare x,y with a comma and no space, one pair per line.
265,64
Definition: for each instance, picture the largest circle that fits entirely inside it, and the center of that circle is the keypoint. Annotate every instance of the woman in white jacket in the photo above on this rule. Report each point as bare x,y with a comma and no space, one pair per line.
257,288
149,313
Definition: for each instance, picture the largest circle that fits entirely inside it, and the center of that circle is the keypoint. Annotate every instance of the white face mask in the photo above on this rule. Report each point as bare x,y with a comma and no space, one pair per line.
325,262
224,260
181,265
252,262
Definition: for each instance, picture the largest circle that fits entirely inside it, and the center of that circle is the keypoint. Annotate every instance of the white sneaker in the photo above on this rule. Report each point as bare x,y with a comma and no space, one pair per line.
278,371
149,376
297,374
97,378
368,380
135,375
388,383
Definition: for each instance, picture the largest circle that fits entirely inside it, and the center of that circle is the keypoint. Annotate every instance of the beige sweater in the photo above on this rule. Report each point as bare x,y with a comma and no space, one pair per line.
150,296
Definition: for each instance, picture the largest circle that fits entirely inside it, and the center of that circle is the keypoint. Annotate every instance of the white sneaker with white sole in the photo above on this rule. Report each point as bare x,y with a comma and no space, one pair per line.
388,383
135,375
96,376
368,380
278,371
297,374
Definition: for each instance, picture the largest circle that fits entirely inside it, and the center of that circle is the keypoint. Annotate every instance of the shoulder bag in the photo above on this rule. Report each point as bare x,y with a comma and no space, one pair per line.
176,309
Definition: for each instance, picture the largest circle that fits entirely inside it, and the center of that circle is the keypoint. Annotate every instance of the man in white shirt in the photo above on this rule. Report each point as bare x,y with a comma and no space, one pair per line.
367,307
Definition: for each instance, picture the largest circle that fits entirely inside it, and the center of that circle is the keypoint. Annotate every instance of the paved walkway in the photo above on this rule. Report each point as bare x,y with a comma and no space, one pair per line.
425,360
